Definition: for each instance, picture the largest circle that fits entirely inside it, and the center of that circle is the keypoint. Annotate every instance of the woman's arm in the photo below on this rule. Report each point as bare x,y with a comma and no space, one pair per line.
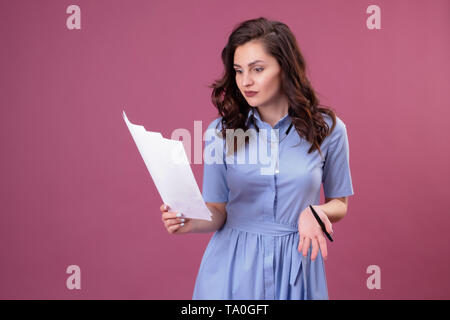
335,208
219,216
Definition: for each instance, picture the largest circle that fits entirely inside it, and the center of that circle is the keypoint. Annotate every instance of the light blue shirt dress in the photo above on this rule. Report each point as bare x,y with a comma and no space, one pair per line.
254,255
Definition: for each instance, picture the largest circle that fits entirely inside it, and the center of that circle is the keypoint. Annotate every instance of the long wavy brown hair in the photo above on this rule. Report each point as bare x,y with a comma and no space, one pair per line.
279,42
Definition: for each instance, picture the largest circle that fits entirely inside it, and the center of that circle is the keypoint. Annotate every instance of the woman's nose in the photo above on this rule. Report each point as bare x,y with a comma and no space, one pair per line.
246,80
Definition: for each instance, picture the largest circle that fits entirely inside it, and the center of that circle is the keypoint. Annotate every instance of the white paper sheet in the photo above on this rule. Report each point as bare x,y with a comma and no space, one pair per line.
169,167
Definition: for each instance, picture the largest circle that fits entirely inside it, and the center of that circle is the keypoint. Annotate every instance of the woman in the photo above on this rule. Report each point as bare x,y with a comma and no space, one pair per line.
267,243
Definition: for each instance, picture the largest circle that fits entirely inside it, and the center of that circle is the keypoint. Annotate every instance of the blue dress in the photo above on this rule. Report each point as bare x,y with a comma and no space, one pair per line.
254,255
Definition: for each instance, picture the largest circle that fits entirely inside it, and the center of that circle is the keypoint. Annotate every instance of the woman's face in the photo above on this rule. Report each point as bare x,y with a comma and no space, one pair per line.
262,76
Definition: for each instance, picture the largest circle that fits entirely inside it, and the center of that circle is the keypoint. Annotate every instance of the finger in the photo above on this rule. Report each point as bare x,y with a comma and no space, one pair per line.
174,228
170,222
323,246
315,248
164,207
172,215
300,244
329,227
306,246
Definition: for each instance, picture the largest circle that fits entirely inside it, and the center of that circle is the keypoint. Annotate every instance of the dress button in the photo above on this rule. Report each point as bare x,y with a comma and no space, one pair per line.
277,171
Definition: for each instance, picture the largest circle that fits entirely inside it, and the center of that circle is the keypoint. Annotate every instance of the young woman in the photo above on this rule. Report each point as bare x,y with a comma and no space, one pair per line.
267,243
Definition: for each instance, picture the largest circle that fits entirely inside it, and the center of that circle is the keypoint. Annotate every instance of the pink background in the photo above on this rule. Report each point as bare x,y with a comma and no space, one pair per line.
75,190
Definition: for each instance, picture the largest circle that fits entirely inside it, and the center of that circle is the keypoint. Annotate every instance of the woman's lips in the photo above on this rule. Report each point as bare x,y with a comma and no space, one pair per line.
250,93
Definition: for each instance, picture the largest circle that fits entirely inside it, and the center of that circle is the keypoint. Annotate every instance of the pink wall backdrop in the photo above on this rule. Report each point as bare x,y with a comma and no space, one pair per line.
75,191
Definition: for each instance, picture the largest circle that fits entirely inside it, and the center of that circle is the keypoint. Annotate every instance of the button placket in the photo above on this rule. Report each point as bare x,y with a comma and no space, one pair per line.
274,148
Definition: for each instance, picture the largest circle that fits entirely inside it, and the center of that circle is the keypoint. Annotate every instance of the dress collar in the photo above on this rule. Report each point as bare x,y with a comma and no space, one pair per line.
282,124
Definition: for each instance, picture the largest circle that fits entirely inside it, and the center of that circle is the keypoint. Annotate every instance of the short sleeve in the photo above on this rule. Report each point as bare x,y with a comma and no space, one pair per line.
215,187
337,180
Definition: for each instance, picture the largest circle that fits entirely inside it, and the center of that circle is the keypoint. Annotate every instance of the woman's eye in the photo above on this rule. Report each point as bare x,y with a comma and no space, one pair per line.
257,69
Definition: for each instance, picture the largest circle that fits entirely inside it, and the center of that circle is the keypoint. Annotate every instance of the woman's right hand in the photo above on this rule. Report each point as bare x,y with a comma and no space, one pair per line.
175,222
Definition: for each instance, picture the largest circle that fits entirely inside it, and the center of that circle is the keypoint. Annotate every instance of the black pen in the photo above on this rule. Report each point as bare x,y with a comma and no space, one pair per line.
322,225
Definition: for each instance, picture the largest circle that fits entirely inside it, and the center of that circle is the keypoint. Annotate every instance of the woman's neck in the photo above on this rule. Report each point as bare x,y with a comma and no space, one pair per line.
273,113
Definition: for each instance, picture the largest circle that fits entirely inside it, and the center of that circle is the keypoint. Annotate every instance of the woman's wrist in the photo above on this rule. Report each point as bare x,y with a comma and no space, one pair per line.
335,209
204,226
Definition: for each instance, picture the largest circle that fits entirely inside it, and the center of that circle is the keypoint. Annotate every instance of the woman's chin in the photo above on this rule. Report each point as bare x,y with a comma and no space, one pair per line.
252,103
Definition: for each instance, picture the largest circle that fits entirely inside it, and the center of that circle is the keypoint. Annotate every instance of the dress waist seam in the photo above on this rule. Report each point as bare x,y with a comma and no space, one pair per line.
263,228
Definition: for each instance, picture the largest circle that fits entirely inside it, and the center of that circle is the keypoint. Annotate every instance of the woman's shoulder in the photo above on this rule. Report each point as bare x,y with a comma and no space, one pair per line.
214,129
215,124
338,130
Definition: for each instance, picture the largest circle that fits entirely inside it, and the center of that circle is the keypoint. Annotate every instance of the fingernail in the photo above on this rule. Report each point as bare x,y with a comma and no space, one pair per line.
166,207
182,220
182,224
178,215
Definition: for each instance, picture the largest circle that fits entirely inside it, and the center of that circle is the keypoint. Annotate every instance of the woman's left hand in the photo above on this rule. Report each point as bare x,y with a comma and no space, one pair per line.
311,232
